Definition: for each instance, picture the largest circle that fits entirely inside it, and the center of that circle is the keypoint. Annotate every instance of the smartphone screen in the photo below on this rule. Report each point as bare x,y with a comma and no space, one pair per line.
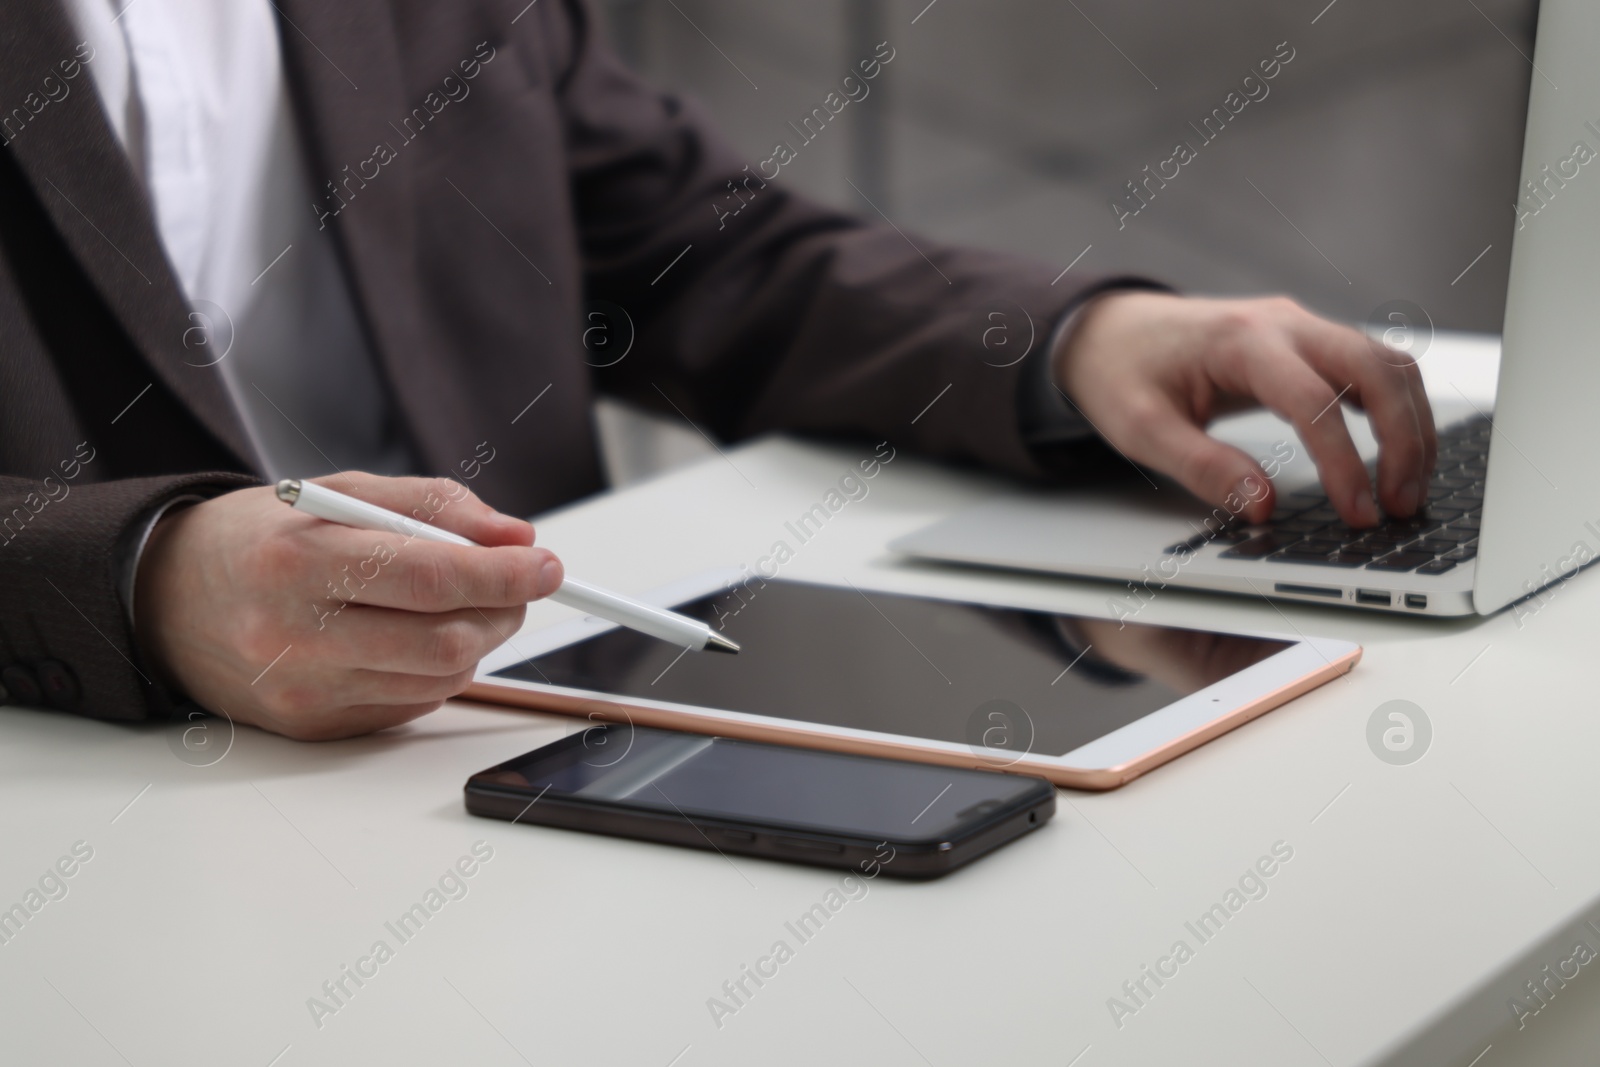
797,789
995,677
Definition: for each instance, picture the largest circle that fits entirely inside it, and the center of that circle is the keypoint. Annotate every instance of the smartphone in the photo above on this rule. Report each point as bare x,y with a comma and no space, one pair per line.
832,809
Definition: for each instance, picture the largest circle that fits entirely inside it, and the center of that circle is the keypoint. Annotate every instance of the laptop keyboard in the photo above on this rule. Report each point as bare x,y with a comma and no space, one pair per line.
1306,529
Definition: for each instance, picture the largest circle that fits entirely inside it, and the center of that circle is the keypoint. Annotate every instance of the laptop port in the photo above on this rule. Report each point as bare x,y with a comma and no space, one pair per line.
1308,590
1373,596
1417,600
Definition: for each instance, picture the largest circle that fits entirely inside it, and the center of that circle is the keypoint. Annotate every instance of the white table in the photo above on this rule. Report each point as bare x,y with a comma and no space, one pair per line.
220,898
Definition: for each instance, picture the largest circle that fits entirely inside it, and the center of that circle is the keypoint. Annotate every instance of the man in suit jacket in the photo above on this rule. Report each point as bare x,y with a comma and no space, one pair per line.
463,180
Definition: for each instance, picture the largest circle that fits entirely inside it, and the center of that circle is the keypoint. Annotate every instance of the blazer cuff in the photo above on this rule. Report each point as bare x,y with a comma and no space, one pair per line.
65,630
133,549
1049,422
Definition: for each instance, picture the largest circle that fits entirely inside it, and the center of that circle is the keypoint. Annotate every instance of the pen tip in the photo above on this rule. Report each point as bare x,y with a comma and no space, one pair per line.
289,490
717,643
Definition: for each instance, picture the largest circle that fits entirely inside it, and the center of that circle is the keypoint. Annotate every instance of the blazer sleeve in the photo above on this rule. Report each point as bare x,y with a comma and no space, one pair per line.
784,314
65,638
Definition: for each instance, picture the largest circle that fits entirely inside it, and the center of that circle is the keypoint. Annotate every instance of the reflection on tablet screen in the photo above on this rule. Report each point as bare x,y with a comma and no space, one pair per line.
964,673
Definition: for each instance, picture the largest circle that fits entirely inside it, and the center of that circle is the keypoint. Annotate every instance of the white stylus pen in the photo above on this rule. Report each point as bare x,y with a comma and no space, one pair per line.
669,626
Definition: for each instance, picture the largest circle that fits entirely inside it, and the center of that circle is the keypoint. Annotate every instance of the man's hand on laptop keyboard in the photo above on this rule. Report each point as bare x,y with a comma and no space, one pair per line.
1152,370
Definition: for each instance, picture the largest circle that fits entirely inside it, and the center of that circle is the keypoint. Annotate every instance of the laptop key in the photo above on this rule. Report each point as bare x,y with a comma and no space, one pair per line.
1264,545
1401,561
1462,553
1290,556
1438,566
1199,540
1453,535
1316,546
1436,545
1301,554
1468,519
1343,533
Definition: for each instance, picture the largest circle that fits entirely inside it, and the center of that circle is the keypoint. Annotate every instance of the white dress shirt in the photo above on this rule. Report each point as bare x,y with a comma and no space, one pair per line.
194,90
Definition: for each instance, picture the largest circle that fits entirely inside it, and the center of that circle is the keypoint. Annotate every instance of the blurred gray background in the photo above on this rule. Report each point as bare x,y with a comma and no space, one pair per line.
1381,163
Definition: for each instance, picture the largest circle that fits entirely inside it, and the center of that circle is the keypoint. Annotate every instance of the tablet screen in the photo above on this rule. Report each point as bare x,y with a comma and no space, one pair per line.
1001,678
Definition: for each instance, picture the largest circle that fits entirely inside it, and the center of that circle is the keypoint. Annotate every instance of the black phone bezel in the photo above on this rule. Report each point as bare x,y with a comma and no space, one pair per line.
911,857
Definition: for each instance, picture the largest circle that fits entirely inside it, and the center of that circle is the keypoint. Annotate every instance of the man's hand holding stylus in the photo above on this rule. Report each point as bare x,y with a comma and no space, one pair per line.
318,631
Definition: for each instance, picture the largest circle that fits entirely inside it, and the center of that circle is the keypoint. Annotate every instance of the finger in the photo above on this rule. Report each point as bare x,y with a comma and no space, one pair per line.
338,723
312,693
1426,427
379,688
1286,384
1345,360
1424,407
1381,392
409,642
431,577
441,502
1215,472
1407,368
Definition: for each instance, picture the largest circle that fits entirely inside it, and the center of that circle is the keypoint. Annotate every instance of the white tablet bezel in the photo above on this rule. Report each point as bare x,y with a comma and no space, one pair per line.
1104,763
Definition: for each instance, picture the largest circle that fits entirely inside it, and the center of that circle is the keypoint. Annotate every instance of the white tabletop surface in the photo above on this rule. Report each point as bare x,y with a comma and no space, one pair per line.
220,898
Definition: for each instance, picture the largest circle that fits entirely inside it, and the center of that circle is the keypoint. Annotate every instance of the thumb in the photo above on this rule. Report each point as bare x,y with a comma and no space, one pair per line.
1217,473
441,502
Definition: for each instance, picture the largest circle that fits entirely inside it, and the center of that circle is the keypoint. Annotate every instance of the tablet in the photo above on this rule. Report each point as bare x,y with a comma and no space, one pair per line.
1086,702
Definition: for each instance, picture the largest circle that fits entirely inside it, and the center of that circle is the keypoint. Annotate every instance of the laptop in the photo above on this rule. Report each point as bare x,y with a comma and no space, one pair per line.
1514,505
